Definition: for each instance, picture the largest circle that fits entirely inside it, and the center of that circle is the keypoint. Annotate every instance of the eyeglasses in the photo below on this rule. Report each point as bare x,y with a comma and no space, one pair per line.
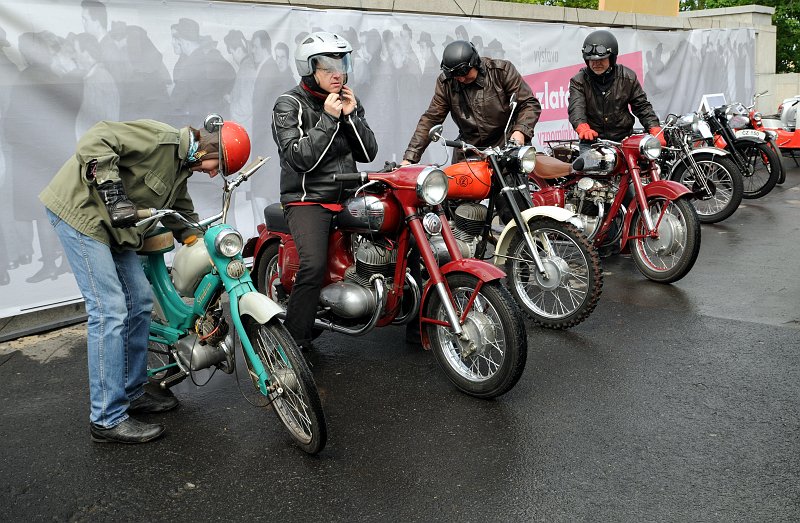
461,69
596,49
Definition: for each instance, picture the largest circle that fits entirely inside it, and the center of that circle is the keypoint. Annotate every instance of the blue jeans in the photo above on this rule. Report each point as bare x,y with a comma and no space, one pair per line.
119,304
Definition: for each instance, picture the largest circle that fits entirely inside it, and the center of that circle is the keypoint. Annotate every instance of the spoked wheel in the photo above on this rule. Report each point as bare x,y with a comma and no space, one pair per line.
722,192
571,287
488,359
292,390
762,168
671,255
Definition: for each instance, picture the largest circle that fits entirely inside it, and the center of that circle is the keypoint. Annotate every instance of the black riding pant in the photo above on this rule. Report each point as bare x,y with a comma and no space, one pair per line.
310,226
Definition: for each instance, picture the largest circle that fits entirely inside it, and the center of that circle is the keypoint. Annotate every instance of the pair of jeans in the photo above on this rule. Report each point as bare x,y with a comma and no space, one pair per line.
310,226
119,304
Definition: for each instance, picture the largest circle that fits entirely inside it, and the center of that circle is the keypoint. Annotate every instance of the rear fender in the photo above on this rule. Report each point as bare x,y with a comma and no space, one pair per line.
556,213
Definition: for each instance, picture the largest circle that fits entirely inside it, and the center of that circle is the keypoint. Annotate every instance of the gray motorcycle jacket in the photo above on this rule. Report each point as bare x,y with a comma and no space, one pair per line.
314,146
608,113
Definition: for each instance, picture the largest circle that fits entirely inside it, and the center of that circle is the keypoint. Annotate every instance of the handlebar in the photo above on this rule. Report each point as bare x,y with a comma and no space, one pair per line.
351,177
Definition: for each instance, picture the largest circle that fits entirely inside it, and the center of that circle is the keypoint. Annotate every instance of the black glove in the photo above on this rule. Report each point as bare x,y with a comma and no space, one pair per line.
121,210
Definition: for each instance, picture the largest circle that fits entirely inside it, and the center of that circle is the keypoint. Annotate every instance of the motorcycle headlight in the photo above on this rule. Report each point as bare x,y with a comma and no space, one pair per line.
738,121
228,243
757,117
527,158
432,186
650,147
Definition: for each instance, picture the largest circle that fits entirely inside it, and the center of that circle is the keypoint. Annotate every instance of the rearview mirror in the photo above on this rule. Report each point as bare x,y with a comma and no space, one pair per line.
435,134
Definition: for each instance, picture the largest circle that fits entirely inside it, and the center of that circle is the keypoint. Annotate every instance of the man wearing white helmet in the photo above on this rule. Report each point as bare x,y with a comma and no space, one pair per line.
321,131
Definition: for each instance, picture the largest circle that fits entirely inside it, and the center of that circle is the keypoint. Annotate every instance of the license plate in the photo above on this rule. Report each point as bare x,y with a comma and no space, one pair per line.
750,132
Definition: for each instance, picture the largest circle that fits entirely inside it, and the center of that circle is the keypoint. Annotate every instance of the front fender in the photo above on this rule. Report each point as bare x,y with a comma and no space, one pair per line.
548,211
665,189
258,306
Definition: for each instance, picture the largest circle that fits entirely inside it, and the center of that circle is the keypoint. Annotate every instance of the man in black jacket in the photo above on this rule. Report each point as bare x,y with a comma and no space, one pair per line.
599,95
321,131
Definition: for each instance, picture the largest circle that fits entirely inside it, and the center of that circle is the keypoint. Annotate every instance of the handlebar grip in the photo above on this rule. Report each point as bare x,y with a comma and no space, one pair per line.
350,177
144,213
454,143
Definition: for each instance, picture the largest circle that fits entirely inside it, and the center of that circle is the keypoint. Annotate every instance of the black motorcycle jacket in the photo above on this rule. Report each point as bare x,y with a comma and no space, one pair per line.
314,146
607,112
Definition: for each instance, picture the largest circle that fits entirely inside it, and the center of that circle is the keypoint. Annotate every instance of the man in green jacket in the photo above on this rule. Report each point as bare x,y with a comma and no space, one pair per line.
91,202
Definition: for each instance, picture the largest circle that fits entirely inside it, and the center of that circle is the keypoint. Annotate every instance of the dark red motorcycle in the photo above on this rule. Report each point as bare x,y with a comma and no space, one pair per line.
466,316
616,190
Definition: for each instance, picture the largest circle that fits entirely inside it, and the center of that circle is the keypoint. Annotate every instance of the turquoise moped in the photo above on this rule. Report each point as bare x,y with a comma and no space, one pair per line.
208,288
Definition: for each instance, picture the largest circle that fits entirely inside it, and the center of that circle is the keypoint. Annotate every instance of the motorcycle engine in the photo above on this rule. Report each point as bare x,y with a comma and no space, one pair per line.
467,225
353,297
588,199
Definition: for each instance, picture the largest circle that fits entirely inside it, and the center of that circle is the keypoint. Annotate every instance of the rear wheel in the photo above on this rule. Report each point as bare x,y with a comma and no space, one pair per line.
488,359
292,391
671,255
569,292
724,190
762,168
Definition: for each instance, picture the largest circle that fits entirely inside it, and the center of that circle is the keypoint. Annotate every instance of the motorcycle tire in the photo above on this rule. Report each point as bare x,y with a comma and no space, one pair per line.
669,257
574,281
491,363
725,182
762,171
298,406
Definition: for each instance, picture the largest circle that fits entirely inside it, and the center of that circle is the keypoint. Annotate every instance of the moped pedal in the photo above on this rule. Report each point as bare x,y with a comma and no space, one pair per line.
168,381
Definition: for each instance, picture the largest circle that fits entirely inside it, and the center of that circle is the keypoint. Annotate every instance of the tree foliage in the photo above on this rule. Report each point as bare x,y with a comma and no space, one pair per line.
786,20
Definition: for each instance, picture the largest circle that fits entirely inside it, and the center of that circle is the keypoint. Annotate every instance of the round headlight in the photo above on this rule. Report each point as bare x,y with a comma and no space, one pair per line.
757,117
228,243
527,158
650,147
432,186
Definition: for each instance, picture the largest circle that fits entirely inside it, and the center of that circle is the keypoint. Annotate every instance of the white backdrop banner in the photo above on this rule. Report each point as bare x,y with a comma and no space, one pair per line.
66,64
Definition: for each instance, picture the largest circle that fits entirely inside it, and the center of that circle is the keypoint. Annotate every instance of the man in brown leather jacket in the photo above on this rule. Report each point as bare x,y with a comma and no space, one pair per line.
600,93
476,92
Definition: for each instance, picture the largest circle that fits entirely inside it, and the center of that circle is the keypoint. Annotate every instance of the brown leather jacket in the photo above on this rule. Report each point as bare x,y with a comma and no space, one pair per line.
480,109
609,114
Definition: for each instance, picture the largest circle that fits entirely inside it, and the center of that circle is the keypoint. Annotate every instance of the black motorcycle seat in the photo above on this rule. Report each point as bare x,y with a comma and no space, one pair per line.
274,218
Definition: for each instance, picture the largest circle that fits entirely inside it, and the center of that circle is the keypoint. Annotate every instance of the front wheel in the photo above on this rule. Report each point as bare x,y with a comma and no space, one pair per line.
571,287
671,255
487,360
762,168
722,192
292,391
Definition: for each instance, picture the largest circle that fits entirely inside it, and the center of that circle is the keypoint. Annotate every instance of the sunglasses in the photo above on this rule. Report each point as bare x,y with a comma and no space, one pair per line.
596,49
461,69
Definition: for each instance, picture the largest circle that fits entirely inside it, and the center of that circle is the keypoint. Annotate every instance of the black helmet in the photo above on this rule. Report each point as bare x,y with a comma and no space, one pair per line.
599,45
458,58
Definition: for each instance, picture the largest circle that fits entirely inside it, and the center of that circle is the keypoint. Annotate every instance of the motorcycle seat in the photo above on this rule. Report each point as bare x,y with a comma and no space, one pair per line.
549,168
274,218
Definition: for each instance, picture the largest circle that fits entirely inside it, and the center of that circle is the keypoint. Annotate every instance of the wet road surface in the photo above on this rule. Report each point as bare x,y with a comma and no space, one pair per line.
670,403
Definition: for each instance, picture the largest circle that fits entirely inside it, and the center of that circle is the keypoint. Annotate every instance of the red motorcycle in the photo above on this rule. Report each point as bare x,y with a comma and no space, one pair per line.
780,129
466,316
616,191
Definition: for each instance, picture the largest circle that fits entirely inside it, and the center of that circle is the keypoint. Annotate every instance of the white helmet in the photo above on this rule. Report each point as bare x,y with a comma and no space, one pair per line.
322,44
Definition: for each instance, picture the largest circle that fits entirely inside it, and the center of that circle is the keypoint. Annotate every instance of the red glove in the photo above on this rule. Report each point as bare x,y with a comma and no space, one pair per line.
656,131
585,132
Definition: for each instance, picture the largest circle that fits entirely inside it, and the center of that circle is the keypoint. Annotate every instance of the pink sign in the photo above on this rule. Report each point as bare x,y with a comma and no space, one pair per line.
552,87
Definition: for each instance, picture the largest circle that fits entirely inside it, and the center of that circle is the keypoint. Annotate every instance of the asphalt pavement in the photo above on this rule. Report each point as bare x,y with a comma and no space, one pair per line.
669,403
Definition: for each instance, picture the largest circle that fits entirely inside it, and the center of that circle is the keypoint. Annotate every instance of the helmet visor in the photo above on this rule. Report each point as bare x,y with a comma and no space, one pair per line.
327,64
461,69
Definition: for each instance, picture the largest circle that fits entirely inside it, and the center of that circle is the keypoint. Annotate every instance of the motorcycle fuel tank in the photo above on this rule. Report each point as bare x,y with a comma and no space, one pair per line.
191,263
469,180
